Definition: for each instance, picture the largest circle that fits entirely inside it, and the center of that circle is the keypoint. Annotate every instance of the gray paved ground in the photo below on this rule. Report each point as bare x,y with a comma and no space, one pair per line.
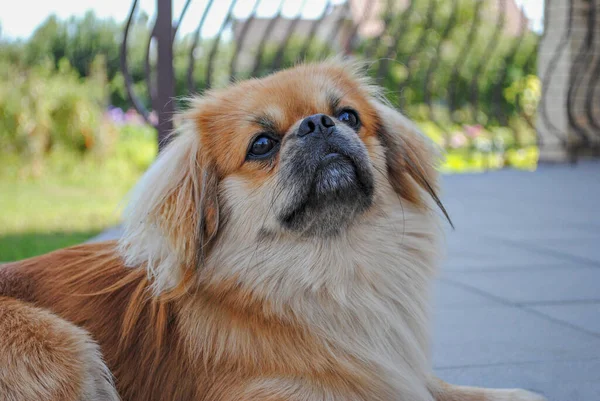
518,301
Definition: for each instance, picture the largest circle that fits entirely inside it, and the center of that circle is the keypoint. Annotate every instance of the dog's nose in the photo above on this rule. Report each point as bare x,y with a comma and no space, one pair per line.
320,123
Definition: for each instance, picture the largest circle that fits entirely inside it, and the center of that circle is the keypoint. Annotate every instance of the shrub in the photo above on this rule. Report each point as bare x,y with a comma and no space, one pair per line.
41,109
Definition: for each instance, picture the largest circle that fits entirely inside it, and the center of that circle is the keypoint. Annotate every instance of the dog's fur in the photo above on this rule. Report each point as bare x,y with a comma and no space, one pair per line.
210,296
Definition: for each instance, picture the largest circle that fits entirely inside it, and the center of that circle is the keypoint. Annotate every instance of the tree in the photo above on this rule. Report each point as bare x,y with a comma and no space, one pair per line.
454,56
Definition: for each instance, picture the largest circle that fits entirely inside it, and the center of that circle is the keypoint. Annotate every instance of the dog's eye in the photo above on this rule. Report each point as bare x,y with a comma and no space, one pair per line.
349,117
262,147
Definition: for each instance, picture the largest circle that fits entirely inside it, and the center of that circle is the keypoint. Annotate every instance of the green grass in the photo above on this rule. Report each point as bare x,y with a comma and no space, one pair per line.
24,245
70,199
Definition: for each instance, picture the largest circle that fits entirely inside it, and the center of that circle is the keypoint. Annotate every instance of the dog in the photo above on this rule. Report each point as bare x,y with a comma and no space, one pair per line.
281,247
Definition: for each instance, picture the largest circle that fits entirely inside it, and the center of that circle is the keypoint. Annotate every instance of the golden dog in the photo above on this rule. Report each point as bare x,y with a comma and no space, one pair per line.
281,248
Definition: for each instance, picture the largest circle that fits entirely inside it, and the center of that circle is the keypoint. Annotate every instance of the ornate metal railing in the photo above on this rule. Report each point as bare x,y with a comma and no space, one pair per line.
467,70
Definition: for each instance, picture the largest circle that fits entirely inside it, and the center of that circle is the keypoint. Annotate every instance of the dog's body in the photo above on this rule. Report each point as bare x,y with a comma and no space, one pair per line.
292,264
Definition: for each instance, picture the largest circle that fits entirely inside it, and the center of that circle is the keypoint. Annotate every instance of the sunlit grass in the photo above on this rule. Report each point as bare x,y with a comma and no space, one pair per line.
463,161
68,199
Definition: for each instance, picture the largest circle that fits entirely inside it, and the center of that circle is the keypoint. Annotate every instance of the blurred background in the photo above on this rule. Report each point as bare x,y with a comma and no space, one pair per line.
87,88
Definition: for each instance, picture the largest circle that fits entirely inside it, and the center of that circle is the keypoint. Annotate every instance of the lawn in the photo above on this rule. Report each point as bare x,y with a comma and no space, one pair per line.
70,199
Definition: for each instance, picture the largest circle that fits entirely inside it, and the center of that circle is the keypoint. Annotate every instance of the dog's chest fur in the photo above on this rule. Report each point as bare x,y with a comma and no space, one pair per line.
362,298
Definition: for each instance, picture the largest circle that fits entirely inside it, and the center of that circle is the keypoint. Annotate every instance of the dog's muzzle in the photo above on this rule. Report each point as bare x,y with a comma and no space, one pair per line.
326,169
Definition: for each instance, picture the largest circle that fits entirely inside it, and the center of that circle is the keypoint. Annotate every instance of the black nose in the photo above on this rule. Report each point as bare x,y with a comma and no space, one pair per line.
315,123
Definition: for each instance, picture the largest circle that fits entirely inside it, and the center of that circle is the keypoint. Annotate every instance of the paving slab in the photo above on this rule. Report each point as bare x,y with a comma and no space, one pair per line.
569,283
110,234
518,303
450,296
504,334
469,252
500,257
545,232
585,249
583,315
556,380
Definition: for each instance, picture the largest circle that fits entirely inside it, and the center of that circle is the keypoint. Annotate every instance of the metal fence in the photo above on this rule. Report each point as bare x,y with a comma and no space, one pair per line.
465,70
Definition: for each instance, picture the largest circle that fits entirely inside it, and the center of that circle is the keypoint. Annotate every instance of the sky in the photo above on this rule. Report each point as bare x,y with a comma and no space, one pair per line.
20,18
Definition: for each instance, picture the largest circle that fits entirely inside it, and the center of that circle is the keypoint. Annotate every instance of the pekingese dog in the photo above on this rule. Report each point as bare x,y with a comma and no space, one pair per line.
282,247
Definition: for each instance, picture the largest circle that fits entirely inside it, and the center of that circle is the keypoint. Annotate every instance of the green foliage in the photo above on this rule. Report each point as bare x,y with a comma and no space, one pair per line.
467,78
41,109
82,40
79,40
292,52
465,161
448,80
77,196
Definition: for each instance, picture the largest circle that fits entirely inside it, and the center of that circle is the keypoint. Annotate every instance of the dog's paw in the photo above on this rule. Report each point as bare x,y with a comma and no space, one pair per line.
97,379
519,395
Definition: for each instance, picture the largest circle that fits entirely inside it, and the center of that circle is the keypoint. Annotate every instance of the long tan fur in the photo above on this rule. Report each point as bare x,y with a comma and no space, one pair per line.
195,302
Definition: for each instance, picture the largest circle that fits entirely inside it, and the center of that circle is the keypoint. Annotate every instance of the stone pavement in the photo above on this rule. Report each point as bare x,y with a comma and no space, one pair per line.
517,303
518,299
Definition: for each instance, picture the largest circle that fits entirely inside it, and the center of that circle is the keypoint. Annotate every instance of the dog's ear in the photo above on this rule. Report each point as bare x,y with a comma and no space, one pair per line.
173,214
411,157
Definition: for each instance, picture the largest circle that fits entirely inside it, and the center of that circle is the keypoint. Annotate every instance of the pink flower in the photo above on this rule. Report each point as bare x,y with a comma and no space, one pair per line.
473,131
458,140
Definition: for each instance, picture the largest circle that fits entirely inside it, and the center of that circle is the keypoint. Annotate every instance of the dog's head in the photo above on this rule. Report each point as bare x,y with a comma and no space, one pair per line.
305,154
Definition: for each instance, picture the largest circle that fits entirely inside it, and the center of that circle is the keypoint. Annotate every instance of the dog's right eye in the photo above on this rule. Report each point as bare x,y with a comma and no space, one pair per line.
262,147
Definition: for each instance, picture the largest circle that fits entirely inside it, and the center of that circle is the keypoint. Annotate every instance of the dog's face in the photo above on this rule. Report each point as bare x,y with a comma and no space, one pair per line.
303,141
304,153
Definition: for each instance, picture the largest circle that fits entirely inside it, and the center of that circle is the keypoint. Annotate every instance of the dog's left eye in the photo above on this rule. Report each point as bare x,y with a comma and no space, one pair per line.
262,147
349,117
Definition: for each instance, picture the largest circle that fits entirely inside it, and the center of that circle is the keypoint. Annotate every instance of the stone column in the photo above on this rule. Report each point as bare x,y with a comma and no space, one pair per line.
569,115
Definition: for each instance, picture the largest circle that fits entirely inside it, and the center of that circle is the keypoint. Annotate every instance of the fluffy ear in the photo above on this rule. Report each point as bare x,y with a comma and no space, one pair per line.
410,156
173,214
